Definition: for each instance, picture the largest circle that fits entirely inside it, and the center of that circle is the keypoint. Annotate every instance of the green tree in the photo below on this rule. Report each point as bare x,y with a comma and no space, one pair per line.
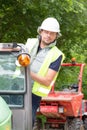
19,20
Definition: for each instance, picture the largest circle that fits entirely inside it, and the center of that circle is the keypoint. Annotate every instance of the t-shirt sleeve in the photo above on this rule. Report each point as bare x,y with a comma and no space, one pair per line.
56,64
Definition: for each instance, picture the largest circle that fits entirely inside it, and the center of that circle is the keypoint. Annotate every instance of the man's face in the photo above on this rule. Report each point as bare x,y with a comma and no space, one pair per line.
48,36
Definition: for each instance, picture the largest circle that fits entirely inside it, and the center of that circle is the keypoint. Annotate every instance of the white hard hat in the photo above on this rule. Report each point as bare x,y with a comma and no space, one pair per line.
50,24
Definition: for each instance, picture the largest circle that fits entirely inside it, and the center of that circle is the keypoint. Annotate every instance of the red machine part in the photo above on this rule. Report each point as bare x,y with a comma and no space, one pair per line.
60,104
66,104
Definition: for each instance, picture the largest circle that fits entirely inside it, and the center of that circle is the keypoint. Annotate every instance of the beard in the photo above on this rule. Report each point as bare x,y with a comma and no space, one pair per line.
45,42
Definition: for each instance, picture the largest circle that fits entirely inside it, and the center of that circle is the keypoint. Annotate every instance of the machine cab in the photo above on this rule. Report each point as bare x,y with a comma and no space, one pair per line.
15,86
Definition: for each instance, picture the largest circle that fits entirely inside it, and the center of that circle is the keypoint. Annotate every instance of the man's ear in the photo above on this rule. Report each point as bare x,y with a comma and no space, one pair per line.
58,35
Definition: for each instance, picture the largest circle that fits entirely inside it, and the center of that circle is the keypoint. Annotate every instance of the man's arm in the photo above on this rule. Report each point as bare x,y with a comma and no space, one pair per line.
52,71
47,80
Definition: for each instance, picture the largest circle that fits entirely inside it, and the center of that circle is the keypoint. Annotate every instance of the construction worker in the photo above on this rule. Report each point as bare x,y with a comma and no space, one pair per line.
46,60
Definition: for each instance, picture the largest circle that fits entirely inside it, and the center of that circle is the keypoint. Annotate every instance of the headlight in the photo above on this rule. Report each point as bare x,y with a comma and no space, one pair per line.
61,110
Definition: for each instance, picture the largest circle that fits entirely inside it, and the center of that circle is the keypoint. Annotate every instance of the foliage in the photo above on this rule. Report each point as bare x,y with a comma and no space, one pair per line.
19,20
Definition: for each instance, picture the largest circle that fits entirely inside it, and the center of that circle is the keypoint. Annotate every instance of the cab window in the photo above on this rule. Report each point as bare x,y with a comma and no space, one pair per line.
12,80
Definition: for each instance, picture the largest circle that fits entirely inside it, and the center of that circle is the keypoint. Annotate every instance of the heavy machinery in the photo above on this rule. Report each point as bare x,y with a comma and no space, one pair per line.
65,109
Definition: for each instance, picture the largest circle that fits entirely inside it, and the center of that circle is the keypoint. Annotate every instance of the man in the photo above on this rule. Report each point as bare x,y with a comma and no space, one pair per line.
46,59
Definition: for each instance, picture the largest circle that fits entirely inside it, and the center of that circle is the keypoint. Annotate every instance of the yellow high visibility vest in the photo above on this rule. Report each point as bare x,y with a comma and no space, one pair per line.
39,89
